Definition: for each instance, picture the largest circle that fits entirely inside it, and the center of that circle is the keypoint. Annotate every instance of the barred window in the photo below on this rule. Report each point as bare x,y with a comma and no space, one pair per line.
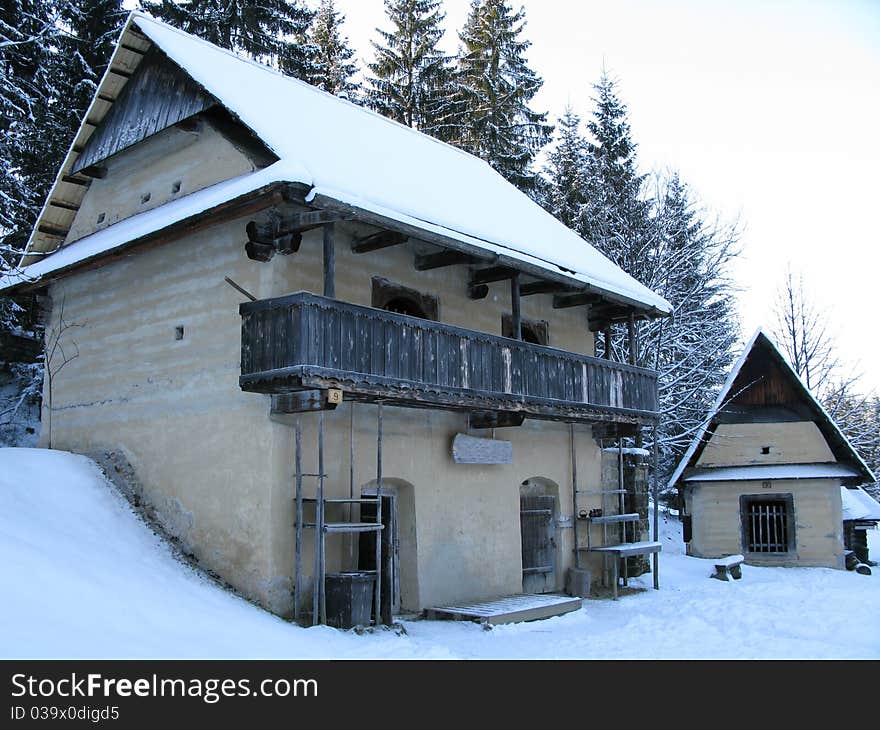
767,523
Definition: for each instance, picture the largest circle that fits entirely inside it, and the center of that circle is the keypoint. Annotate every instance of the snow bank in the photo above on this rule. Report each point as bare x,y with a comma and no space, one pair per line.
84,577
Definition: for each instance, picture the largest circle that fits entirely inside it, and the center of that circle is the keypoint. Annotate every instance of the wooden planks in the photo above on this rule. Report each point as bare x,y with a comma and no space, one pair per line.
158,95
509,609
402,358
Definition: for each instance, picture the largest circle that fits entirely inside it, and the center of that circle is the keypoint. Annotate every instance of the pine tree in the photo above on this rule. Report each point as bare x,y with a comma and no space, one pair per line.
334,67
565,193
688,263
661,237
493,88
615,216
270,30
29,37
411,75
93,27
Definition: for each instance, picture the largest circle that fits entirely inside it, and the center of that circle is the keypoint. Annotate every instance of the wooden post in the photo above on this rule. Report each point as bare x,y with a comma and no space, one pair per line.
297,595
351,537
329,262
574,497
656,525
516,315
377,589
607,339
631,338
320,530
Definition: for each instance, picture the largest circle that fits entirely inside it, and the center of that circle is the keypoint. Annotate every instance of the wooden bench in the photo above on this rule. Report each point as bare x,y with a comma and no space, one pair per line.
729,567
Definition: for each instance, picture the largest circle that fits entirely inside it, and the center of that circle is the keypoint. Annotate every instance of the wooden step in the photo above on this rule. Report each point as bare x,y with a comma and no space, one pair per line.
509,609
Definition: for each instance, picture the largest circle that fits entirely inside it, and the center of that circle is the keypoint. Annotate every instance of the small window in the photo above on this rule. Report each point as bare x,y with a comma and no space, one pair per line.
765,450
534,331
768,526
402,300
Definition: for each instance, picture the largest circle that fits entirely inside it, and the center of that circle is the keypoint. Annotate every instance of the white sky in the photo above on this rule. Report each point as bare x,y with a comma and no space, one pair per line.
769,108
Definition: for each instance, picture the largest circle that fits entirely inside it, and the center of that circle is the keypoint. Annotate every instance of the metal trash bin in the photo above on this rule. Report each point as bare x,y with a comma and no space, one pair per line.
349,599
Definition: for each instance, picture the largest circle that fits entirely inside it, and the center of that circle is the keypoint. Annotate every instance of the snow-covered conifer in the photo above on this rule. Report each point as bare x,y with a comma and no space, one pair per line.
493,87
273,31
334,67
410,74
566,172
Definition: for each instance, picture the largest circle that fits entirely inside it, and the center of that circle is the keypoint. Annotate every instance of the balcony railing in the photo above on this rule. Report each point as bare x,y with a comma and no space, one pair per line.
304,341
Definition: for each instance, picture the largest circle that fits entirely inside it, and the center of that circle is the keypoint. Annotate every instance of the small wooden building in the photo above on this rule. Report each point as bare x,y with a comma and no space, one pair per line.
327,343
763,477
861,512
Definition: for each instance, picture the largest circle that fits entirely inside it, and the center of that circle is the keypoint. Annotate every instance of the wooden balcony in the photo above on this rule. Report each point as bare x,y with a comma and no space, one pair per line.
303,341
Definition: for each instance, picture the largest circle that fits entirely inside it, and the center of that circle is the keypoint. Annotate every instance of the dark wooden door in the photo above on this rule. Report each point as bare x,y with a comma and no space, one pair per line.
538,543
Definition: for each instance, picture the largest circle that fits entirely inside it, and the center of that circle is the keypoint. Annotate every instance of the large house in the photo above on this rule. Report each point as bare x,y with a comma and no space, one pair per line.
770,476
306,326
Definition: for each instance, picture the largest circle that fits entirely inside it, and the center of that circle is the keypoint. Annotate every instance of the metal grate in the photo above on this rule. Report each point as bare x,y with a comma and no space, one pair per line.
767,523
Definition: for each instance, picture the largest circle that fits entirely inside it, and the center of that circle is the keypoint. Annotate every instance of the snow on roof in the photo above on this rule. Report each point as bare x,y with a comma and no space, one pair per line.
348,153
725,393
770,471
140,225
859,505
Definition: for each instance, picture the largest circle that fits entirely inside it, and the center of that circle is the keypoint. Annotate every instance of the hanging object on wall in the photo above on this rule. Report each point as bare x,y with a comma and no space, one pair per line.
471,450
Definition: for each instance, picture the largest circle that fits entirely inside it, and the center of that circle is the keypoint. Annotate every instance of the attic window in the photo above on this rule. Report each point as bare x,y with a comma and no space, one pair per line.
400,299
765,449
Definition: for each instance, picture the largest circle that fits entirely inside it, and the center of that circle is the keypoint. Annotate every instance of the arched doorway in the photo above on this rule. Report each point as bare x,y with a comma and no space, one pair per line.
539,510
398,519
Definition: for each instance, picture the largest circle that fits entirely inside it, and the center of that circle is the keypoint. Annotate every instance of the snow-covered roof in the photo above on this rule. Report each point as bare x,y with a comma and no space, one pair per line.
859,505
830,427
348,154
770,471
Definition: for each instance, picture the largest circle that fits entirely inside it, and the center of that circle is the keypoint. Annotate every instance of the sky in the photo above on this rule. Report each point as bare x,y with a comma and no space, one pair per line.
769,109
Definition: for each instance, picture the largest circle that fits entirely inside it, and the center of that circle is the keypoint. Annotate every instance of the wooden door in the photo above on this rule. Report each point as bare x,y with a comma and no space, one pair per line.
538,543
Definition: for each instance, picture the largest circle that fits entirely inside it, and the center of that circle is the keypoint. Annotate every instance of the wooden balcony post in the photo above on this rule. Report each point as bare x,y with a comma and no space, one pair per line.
516,315
329,262
631,338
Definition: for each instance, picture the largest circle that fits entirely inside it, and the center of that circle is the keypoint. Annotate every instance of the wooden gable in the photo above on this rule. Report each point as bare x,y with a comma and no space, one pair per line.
158,95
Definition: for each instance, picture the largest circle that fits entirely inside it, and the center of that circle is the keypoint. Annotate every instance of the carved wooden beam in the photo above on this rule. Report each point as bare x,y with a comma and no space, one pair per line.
95,171
544,287
495,419
491,274
305,401
478,291
426,262
563,301
75,180
376,241
52,230
64,206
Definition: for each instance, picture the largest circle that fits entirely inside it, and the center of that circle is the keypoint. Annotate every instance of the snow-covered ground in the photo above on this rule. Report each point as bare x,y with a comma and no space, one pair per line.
83,576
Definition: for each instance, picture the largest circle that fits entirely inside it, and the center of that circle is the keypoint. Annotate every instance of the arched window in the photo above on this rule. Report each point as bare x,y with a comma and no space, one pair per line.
534,331
405,305
400,299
